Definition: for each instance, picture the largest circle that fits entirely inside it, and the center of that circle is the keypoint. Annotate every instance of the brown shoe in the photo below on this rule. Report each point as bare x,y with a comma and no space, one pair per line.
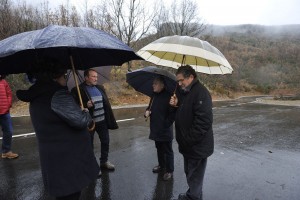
107,165
10,155
167,176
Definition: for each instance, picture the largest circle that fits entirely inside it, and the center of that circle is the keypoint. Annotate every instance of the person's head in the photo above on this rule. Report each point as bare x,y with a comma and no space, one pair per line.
49,70
185,76
158,84
90,76
2,76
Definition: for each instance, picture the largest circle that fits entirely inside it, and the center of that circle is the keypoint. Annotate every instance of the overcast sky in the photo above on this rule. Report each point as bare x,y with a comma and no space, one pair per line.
229,12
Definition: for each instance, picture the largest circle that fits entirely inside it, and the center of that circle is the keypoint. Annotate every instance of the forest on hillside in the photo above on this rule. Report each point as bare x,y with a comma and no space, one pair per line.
264,58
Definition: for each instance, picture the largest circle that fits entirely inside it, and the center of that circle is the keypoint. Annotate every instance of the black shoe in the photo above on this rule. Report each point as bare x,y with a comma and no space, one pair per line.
156,169
99,175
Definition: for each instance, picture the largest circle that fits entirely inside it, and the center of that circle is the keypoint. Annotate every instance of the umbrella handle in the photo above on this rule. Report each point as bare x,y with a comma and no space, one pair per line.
150,108
174,94
79,94
146,119
76,82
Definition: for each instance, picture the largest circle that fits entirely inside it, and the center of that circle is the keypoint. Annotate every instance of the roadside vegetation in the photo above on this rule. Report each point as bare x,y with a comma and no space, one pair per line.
265,59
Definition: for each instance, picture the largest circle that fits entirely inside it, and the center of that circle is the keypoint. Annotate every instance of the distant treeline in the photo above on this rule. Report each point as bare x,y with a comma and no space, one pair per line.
264,58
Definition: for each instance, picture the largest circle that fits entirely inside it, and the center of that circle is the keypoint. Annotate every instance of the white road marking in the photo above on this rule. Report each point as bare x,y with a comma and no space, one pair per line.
28,134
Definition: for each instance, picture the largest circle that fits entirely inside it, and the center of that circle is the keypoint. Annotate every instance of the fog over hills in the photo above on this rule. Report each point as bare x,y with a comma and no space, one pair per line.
282,30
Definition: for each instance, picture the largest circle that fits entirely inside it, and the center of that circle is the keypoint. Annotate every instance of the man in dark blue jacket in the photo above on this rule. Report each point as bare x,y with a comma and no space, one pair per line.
161,129
193,124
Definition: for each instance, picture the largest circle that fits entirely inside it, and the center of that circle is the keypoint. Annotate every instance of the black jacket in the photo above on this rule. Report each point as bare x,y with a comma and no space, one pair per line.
193,122
162,117
67,160
109,115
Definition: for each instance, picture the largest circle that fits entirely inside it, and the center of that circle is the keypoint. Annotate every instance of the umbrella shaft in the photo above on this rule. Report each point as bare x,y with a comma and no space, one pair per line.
76,82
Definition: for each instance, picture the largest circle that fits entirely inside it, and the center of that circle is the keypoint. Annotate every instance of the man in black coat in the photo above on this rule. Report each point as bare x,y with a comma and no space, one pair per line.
193,124
161,127
95,99
67,161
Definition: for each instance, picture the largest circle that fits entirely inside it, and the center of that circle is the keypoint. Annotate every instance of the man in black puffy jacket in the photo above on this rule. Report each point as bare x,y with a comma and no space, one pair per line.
193,124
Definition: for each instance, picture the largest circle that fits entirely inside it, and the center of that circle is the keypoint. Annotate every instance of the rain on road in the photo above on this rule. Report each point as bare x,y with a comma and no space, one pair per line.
257,157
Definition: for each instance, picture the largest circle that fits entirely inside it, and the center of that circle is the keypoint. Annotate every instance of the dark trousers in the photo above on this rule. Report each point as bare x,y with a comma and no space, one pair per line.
102,130
6,124
165,155
74,196
194,171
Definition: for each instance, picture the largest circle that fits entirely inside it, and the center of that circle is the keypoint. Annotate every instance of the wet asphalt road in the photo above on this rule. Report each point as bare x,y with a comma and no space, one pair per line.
257,157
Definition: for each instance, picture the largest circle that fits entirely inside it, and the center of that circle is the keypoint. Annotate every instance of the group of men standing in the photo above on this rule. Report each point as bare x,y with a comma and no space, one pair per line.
190,108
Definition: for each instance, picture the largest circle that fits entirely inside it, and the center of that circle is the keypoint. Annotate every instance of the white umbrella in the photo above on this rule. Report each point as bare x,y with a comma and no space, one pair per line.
174,51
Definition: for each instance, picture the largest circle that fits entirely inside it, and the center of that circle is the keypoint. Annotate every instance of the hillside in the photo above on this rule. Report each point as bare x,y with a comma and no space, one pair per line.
265,60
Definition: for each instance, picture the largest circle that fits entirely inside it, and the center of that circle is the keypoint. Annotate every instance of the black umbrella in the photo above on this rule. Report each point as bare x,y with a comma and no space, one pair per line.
72,47
142,79
85,47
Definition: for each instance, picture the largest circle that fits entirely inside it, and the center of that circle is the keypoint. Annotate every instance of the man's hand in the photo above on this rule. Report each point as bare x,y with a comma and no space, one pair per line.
90,104
147,113
173,101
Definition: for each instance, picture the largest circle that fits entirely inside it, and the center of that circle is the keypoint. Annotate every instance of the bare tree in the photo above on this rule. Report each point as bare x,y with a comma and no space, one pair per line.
74,17
102,20
161,23
131,19
6,18
184,19
63,15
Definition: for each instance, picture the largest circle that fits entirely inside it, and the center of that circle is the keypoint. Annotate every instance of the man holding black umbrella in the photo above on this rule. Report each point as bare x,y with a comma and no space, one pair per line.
194,133
161,127
95,99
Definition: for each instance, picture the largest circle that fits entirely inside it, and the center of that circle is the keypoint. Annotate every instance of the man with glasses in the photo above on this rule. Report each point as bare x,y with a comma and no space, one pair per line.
193,125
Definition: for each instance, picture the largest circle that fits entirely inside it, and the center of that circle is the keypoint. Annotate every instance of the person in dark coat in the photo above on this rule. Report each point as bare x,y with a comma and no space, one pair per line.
193,125
95,99
161,127
67,160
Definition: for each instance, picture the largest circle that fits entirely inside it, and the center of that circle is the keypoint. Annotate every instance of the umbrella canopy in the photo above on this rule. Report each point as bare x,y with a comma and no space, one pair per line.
174,51
88,47
142,79
103,76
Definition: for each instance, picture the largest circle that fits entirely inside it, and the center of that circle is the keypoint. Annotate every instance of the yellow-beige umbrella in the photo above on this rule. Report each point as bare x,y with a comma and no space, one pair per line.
174,51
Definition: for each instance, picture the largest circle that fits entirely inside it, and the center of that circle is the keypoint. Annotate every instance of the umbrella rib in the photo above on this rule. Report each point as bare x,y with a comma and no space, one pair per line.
183,60
196,61
174,58
103,76
162,56
208,66
221,69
